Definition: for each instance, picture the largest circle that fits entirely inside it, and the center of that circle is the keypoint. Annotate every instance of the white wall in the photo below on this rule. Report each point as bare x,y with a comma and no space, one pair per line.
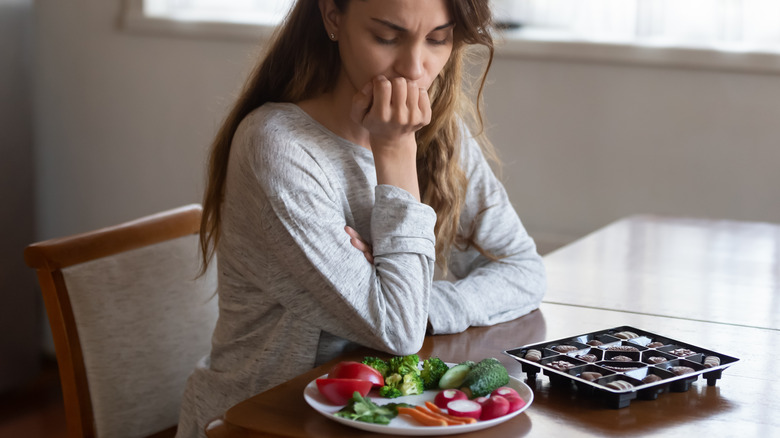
123,121
586,144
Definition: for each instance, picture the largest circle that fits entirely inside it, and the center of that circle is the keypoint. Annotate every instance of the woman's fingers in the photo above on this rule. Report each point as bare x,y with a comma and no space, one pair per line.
360,244
400,107
391,108
361,102
383,94
424,103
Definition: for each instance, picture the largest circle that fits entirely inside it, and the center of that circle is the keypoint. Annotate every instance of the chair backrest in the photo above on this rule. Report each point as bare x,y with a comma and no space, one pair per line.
130,318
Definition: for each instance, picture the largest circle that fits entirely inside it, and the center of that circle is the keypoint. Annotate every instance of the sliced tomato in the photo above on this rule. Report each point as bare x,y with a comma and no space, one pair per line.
356,370
339,391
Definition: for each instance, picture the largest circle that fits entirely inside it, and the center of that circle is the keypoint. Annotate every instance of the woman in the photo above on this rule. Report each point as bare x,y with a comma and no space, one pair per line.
343,173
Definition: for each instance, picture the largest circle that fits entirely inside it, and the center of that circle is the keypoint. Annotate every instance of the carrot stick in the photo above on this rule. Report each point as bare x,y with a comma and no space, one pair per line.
450,421
421,417
459,420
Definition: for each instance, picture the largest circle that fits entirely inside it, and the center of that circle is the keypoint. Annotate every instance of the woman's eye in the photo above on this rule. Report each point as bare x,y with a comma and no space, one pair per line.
438,42
388,42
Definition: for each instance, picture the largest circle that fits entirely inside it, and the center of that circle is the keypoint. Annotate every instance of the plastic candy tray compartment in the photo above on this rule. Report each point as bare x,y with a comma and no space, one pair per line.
560,360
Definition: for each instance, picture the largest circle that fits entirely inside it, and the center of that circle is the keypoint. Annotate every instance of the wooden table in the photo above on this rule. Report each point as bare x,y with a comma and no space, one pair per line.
744,402
707,270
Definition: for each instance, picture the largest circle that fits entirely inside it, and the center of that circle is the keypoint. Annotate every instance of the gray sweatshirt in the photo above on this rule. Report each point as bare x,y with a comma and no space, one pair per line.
293,292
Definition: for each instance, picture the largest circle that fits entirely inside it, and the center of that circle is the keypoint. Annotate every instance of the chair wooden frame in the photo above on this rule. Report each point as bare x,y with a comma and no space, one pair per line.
49,257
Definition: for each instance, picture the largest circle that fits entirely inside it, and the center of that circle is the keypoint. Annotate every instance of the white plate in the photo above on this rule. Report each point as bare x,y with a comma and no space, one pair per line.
403,425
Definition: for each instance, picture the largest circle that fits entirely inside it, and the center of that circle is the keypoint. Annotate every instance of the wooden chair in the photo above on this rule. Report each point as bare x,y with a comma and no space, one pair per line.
130,319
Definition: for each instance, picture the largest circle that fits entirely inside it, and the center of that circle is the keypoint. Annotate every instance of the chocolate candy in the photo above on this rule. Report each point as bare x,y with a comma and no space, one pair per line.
651,378
590,375
680,370
711,361
620,385
533,355
621,359
588,357
682,352
594,343
561,365
621,369
622,348
655,344
656,359
626,335
565,348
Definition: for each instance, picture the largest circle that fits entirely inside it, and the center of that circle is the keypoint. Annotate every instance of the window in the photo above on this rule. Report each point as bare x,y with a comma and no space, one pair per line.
721,24
740,35
263,12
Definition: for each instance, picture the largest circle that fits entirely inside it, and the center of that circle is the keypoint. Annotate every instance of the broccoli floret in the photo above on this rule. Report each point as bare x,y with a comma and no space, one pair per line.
378,364
433,369
392,388
389,392
411,362
412,384
394,380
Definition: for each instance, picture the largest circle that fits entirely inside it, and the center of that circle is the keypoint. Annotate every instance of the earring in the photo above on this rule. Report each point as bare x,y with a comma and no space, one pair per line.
333,36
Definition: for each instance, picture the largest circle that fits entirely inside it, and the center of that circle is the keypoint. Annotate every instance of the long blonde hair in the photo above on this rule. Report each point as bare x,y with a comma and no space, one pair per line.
302,63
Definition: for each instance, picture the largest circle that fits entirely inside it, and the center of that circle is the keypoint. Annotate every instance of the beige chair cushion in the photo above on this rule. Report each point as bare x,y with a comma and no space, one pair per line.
144,320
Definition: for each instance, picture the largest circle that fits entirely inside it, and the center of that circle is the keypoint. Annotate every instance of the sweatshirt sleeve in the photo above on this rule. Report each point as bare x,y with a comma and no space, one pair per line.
301,223
488,292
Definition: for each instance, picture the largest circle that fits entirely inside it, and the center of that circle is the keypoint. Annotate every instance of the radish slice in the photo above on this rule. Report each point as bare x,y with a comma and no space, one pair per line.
496,406
481,400
464,408
448,395
515,402
505,391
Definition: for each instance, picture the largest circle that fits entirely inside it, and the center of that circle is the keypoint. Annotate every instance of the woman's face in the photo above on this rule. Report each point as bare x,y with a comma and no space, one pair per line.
411,39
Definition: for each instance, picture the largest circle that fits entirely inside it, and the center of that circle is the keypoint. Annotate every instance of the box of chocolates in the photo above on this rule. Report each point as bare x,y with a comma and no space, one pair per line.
621,364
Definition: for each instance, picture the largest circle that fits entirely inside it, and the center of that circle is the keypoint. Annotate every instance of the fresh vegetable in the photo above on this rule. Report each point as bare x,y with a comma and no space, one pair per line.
392,388
450,420
460,420
515,402
465,408
455,376
363,409
356,370
422,417
397,385
494,407
412,384
389,392
505,391
484,377
432,370
378,364
340,391
403,376
447,395
404,364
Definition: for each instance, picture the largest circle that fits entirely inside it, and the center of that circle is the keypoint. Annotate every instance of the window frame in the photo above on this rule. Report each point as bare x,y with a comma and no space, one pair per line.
519,44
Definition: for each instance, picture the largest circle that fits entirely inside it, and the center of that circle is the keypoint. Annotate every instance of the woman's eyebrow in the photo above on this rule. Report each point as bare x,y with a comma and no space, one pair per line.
399,28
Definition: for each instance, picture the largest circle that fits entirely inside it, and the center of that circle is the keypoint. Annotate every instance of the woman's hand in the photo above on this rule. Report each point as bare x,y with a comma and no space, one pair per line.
392,111
360,244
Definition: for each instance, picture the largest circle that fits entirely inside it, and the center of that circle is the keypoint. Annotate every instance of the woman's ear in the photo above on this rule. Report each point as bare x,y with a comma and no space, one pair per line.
331,16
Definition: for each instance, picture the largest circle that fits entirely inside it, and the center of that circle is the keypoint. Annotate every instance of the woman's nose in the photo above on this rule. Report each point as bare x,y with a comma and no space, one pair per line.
410,63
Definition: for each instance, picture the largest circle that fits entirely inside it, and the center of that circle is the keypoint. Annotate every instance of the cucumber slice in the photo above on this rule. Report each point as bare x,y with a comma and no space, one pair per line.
455,376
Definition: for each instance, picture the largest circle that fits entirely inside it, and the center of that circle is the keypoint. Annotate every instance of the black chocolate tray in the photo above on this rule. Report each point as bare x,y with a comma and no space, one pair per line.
674,365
